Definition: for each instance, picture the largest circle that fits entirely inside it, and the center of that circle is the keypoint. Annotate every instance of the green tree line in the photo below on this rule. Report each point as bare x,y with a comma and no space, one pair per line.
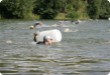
54,9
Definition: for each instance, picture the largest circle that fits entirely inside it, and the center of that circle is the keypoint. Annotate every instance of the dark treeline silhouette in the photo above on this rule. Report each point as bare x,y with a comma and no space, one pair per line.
51,9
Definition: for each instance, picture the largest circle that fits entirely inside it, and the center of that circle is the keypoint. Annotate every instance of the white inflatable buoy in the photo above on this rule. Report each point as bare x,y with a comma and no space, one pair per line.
31,27
108,18
55,34
0,0
0,73
69,30
109,74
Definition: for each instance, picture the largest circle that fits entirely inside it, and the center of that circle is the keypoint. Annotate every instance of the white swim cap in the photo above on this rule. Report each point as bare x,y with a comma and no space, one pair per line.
47,37
31,27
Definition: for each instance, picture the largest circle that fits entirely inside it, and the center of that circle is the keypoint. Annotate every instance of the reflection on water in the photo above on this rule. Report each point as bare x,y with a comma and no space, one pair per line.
82,52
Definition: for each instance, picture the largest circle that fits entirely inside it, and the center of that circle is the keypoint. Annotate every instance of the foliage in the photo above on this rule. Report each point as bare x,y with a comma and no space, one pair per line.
48,9
16,8
72,15
94,8
51,9
105,10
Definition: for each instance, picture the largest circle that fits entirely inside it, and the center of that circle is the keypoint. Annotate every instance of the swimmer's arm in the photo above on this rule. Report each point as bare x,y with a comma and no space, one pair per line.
34,39
40,42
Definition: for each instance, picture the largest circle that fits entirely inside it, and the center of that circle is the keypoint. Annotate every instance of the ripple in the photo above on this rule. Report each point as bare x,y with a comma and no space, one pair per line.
70,30
84,49
88,61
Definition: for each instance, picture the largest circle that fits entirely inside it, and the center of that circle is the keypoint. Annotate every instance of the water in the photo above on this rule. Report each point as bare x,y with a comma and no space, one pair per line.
84,49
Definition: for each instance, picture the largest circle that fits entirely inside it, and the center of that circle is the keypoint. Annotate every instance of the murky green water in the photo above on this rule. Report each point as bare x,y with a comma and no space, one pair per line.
84,49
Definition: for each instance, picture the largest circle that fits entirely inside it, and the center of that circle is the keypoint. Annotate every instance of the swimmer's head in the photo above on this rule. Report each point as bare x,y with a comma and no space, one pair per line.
47,40
47,37
38,23
31,27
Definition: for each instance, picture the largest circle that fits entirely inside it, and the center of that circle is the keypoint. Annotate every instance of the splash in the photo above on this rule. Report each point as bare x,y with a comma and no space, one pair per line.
9,42
69,30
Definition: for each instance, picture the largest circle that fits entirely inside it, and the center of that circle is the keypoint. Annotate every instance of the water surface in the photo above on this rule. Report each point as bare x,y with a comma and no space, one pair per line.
84,49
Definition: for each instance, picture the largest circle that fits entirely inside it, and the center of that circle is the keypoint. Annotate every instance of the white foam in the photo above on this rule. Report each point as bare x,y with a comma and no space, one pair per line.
9,41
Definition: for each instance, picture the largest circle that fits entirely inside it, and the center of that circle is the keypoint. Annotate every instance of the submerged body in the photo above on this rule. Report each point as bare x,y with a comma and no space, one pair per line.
47,40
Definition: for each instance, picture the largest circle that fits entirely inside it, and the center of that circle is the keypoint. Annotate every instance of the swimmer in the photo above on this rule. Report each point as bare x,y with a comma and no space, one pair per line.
47,40
32,27
38,24
35,25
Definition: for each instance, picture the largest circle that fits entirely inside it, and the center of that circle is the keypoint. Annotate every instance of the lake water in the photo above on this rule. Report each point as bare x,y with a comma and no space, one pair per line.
84,49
